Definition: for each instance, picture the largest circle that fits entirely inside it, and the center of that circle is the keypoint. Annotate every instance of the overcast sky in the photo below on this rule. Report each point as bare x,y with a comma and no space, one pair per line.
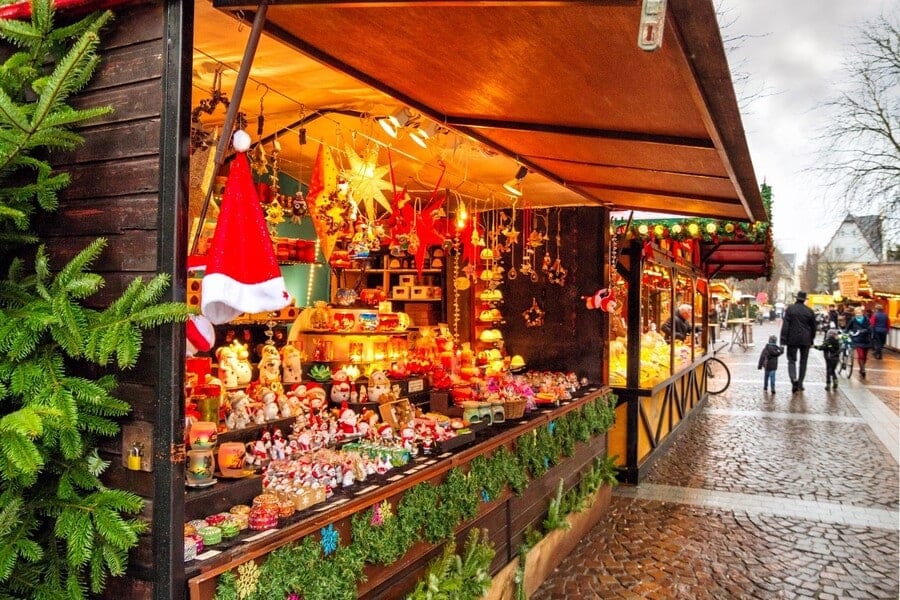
794,50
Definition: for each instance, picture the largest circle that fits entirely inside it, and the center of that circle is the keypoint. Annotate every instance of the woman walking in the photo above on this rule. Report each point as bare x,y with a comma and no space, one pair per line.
860,330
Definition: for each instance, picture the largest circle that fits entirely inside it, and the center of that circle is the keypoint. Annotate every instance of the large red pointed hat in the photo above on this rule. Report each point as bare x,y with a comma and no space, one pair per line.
242,273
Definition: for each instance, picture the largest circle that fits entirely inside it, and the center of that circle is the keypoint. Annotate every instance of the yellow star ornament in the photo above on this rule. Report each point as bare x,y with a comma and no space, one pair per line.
365,180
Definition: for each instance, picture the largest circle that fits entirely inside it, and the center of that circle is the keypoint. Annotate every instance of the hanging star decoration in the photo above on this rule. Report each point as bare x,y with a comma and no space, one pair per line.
534,315
400,221
323,183
365,180
425,230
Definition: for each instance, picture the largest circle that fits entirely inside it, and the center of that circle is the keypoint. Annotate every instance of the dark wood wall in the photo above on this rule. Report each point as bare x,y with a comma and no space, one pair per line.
571,338
115,194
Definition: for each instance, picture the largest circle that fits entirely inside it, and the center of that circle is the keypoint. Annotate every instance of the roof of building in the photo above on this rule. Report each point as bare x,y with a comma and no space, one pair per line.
884,277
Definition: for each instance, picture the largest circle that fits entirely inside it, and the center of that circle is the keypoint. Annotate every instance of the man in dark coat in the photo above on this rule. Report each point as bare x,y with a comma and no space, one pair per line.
798,331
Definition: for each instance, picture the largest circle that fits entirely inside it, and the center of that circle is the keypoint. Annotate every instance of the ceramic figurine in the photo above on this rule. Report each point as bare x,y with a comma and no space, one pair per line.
228,369
242,364
270,368
291,365
348,420
340,388
379,384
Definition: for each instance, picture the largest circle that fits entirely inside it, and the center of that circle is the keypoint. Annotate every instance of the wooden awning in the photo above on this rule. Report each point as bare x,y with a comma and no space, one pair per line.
741,260
561,87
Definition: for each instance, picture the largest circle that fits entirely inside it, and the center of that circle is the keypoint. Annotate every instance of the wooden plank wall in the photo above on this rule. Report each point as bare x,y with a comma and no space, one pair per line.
572,337
115,194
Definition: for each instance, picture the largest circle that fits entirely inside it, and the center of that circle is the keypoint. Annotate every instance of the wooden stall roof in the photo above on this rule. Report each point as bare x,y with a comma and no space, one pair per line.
884,278
561,87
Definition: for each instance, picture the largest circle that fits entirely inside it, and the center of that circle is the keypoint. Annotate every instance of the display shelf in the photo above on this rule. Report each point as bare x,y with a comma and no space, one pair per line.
345,503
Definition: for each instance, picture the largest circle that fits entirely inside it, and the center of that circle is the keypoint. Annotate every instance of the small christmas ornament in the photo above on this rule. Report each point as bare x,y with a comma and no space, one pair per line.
242,273
604,299
534,315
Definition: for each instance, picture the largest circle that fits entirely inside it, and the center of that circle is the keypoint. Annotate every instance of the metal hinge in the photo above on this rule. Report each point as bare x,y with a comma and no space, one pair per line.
178,453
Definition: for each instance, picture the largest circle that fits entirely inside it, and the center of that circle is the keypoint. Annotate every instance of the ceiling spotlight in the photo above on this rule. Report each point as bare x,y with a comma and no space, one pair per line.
421,135
514,186
392,123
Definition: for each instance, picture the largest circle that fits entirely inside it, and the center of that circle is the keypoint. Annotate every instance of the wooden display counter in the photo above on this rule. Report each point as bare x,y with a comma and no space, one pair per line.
506,517
647,418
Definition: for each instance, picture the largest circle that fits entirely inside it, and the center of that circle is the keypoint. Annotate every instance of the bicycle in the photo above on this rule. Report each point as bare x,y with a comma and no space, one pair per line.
845,361
718,376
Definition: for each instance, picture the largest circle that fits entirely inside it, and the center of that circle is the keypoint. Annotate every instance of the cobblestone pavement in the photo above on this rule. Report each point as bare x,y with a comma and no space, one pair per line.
761,496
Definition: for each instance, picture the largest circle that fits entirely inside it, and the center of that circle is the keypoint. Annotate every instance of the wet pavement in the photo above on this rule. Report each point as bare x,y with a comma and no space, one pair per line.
762,496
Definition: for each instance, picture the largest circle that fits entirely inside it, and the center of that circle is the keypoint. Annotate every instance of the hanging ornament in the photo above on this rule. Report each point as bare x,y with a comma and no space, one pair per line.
365,179
604,299
533,315
323,184
556,274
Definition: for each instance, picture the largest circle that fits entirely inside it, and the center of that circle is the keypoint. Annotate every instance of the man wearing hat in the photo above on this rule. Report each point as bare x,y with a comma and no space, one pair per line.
798,331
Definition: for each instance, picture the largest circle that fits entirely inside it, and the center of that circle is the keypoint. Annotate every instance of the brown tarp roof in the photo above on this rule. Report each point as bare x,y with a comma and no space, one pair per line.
560,86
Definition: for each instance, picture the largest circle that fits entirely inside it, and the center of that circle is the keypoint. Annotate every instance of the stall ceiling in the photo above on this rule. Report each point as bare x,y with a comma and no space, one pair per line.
559,87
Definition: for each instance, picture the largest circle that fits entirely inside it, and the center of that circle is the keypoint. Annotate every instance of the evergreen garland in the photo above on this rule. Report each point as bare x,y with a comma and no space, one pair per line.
458,577
510,469
62,532
459,496
379,544
434,512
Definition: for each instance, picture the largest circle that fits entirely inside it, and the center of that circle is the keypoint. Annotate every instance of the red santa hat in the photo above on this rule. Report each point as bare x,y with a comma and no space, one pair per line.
242,274
200,334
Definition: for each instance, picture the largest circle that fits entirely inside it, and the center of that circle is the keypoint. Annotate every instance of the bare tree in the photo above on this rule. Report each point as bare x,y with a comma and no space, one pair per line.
809,270
747,89
862,137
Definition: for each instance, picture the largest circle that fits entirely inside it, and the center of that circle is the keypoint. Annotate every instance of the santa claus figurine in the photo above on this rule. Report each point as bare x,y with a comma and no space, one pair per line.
347,421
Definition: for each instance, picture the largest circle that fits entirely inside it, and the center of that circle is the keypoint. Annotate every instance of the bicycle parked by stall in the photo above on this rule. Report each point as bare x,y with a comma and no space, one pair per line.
845,359
718,376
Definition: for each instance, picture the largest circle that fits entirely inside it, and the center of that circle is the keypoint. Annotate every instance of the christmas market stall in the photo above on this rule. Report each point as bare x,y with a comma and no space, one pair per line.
412,321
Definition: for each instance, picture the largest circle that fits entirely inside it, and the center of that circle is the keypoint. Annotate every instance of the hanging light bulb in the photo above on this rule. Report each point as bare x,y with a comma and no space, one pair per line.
514,186
461,215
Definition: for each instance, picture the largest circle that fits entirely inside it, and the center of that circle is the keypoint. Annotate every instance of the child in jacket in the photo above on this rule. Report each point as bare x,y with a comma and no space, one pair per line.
768,359
831,348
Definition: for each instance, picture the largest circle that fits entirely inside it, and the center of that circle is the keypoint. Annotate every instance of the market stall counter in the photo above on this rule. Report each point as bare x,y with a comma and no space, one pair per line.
659,379
503,481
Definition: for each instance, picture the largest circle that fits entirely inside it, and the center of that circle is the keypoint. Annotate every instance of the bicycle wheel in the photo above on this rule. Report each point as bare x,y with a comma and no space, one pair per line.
718,377
845,366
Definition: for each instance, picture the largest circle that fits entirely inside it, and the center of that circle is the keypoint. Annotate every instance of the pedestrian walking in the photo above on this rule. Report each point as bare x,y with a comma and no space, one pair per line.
831,348
881,323
798,331
768,359
860,331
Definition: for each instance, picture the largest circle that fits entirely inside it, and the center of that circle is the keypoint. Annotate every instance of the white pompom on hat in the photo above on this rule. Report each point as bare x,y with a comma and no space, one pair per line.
242,273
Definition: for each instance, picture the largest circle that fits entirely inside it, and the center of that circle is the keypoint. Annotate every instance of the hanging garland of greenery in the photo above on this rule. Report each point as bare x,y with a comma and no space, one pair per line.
379,541
510,469
459,496
297,568
460,577
489,476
